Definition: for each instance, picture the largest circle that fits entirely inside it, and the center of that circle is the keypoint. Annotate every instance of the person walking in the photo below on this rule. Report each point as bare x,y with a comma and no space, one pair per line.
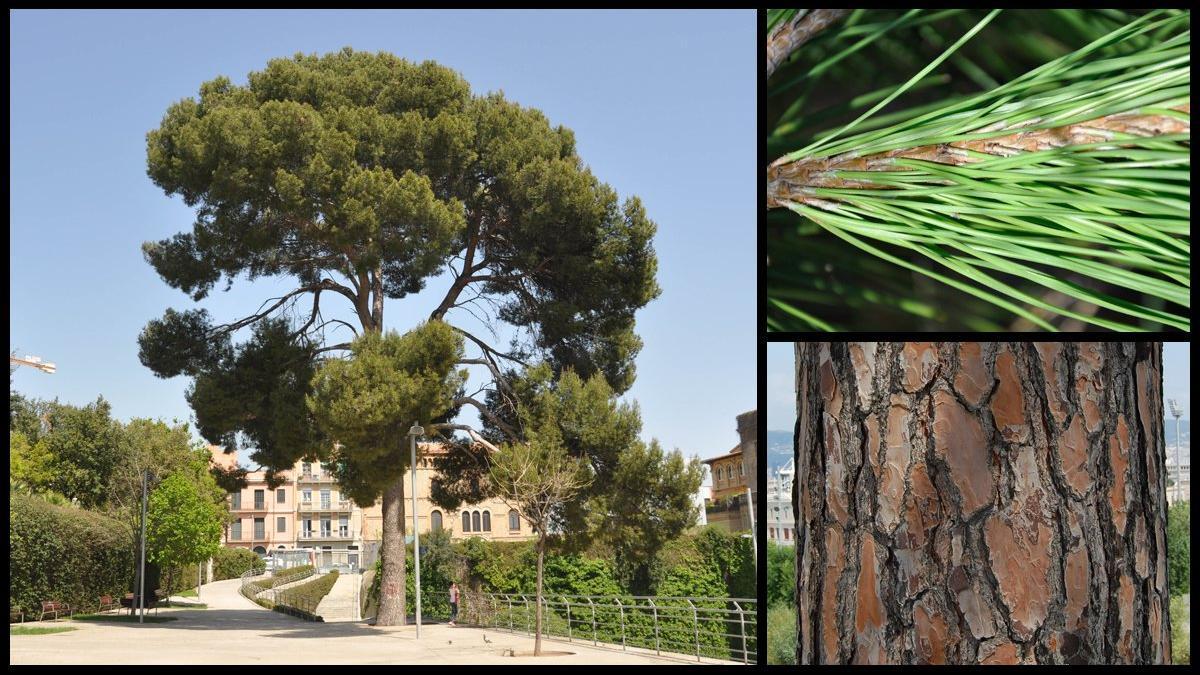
453,601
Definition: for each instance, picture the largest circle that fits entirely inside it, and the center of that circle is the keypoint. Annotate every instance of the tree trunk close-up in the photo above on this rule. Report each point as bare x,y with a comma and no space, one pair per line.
963,503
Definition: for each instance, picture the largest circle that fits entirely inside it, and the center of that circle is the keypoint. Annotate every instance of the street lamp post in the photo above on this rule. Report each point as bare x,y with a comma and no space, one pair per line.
142,568
414,431
778,481
1176,412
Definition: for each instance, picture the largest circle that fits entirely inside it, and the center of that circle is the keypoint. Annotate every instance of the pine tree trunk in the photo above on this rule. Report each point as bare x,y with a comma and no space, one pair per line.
537,622
980,503
392,582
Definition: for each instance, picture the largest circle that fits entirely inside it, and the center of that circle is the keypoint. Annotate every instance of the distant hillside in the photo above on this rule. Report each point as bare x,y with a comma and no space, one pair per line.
779,449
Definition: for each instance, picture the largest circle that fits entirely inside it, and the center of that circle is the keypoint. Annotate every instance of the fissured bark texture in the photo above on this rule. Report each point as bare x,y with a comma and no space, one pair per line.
966,503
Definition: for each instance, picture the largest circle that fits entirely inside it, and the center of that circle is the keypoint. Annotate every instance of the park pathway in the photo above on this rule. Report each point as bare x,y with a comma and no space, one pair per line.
234,630
341,602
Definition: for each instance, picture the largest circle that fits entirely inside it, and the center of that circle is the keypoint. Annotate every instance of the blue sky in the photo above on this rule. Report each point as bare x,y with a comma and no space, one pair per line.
781,384
662,105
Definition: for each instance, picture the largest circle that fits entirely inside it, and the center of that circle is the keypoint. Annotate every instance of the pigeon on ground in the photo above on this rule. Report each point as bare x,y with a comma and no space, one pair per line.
485,639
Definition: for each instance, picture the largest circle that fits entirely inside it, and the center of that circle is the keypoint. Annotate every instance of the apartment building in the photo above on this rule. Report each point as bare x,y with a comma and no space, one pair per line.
490,519
309,510
732,473
265,517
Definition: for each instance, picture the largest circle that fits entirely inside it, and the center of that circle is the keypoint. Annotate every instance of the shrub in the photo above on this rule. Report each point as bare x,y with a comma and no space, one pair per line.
286,576
781,635
231,563
1179,547
781,574
302,600
67,554
1181,651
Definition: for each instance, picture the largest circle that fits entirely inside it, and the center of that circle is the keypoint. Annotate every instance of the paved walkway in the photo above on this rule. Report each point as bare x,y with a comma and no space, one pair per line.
339,603
235,630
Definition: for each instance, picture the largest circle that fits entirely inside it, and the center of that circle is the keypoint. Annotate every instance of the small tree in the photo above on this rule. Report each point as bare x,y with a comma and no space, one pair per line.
367,403
182,525
536,479
651,501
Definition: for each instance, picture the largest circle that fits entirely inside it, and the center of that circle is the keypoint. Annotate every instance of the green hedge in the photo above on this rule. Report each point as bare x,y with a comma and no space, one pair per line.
231,563
66,554
285,576
302,600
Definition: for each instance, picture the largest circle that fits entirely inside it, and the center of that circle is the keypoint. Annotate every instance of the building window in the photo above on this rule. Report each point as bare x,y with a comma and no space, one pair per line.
514,521
741,469
787,534
235,499
306,469
235,531
280,496
435,520
325,527
260,499
307,532
475,523
260,528
260,550
487,521
306,497
466,521
771,532
343,526
324,499
281,524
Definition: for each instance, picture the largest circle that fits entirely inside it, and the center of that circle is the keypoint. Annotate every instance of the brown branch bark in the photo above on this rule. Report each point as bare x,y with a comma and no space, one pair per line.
980,503
789,36
794,181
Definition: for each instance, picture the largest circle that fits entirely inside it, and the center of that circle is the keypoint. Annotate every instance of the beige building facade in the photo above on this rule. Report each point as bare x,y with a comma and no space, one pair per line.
309,510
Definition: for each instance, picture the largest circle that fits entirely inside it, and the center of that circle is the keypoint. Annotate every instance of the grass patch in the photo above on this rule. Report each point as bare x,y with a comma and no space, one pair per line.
189,593
38,630
781,635
1181,651
122,618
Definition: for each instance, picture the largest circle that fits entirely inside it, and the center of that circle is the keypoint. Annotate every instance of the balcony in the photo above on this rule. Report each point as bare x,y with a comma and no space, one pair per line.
315,478
342,505
316,535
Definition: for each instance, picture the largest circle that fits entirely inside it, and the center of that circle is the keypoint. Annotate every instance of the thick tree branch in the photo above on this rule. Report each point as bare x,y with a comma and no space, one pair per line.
789,36
470,432
489,414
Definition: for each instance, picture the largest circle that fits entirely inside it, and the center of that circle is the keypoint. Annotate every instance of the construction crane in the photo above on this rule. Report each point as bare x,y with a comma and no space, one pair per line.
34,361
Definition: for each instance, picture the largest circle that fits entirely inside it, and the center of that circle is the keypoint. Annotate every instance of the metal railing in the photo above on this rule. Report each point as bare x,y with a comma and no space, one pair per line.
256,591
718,628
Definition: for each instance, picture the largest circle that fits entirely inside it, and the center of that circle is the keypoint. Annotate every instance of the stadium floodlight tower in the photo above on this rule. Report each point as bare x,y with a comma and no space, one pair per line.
1176,412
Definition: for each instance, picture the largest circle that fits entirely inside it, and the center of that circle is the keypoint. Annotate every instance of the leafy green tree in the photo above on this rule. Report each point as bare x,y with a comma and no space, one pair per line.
536,479
360,176
781,574
1179,547
781,634
650,501
84,448
367,403
162,450
182,525
29,466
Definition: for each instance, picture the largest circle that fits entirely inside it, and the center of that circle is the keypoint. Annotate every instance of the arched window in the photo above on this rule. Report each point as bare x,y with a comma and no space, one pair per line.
514,520
475,525
435,520
466,521
260,550
487,521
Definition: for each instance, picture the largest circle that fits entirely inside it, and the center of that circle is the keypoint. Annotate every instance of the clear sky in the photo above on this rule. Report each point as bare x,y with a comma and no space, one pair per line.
662,105
781,382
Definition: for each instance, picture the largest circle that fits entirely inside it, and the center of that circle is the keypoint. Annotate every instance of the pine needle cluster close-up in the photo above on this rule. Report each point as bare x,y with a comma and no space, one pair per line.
1024,170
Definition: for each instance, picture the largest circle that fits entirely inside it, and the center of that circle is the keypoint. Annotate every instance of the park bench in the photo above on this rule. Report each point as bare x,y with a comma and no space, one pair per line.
130,601
15,614
106,603
54,607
